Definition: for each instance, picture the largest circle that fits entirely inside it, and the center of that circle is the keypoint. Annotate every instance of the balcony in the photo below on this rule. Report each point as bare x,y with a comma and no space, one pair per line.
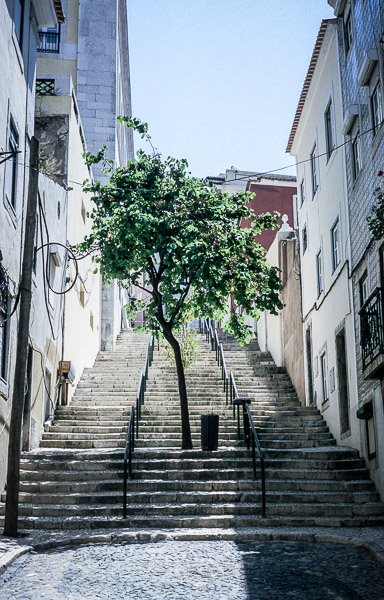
372,335
49,42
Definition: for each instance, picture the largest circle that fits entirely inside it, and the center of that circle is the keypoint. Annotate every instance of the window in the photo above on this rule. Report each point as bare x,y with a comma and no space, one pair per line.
376,108
3,323
11,166
363,288
304,238
329,130
91,320
18,18
335,245
314,170
49,39
45,87
319,273
324,377
302,193
348,33
355,152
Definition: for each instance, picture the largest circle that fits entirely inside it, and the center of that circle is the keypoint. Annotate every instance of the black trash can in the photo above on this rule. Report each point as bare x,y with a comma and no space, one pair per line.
209,432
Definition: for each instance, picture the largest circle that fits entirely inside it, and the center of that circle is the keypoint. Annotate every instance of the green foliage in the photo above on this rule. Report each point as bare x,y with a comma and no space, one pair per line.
188,345
376,220
160,229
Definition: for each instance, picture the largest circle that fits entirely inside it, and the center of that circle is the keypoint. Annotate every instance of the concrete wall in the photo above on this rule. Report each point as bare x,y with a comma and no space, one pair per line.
281,334
292,339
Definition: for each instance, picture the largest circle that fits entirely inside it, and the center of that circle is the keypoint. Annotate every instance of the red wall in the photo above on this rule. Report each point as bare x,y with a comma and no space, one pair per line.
267,199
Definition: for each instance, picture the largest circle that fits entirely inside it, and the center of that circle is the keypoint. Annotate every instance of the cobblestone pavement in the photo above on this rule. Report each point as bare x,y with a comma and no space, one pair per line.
215,570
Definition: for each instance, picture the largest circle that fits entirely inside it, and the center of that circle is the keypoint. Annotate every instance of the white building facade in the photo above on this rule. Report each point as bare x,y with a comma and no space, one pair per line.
19,22
361,60
328,324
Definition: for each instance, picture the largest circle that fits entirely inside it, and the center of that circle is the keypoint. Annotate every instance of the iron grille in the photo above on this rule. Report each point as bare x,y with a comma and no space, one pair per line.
49,42
371,327
45,87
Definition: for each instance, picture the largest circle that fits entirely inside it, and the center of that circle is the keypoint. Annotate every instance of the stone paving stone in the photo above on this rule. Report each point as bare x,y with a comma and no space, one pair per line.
212,570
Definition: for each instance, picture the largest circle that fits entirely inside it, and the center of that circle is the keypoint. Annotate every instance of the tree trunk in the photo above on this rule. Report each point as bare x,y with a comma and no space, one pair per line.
186,438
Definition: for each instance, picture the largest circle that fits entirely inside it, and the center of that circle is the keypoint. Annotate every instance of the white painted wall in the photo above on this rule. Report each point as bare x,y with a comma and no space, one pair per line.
324,313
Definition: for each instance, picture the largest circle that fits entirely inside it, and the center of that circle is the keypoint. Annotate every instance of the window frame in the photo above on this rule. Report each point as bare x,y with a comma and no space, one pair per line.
19,26
324,376
314,170
355,153
330,133
348,32
363,288
304,238
319,273
302,192
376,112
11,166
335,245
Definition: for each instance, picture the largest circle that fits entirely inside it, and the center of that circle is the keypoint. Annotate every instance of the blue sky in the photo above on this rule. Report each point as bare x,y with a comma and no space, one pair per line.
218,81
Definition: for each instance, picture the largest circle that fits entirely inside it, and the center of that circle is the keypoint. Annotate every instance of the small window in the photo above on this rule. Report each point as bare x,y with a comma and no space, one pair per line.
45,87
319,273
336,247
11,166
324,376
348,32
376,108
363,289
302,193
329,130
314,170
91,320
355,152
304,238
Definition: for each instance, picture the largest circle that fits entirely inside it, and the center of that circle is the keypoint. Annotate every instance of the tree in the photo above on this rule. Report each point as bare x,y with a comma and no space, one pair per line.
376,219
156,227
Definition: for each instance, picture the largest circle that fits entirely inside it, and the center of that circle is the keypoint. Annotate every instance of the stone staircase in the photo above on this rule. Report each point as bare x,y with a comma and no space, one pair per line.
75,479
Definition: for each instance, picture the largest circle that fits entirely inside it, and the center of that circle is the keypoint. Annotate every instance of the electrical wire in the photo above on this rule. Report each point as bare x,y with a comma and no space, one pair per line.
249,177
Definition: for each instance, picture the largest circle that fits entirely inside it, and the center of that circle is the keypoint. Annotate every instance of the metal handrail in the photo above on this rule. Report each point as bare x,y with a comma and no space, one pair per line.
129,448
249,431
233,393
136,413
224,372
255,442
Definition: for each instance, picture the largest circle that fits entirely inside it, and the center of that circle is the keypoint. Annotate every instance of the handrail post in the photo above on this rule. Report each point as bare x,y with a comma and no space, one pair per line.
254,457
263,500
246,426
125,490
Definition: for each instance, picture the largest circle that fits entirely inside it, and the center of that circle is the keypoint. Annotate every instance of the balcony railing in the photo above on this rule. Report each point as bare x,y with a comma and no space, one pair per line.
49,42
371,327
